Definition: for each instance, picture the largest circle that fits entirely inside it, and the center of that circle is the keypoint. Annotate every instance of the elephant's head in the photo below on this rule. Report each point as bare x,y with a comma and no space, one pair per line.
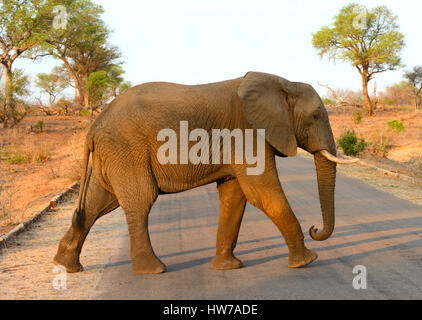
293,115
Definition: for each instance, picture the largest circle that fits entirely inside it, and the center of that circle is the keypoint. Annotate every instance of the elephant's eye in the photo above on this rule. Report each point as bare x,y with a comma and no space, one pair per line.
316,115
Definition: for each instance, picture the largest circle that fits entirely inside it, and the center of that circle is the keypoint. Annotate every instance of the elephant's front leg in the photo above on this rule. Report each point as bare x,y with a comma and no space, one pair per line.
232,207
265,193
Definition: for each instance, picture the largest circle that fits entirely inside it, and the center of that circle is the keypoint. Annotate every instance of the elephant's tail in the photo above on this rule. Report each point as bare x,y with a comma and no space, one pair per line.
86,176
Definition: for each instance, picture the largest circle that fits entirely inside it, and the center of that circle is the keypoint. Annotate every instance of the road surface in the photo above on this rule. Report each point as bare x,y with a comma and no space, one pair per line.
374,229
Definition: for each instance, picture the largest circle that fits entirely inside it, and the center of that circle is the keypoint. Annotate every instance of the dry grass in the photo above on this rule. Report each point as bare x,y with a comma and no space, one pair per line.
27,153
36,166
6,200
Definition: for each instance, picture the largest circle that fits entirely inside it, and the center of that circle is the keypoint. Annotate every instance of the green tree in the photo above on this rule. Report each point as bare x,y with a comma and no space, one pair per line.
19,88
414,77
368,39
104,85
114,74
23,28
20,85
82,45
52,84
125,86
97,86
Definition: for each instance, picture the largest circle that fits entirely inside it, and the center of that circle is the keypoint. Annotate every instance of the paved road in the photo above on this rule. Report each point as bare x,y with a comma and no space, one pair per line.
373,229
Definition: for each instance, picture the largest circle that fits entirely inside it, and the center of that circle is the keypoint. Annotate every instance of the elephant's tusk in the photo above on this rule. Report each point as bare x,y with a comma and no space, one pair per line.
332,158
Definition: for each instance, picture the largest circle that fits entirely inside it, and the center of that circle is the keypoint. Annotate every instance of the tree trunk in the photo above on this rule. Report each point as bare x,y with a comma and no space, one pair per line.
79,88
81,94
86,92
416,102
86,100
8,94
366,98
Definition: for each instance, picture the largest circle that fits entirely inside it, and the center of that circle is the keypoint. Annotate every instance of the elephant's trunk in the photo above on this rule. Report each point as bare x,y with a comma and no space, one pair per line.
326,175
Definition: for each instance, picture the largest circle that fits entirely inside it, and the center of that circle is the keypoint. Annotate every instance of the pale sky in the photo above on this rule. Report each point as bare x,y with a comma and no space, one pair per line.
203,41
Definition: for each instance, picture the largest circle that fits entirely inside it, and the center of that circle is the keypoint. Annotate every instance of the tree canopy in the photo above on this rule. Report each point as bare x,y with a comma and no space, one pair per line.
83,45
69,30
368,39
53,84
23,26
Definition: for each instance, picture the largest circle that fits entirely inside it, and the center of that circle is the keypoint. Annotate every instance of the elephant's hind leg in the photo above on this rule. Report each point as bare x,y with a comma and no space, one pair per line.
232,207
98,203
137,192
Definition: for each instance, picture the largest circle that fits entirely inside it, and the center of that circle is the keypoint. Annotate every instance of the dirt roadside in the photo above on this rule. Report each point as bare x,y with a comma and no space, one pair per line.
36,166
402,150
26,268
27,271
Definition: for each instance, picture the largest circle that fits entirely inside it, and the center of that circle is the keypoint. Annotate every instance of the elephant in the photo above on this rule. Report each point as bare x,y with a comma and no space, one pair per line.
121,166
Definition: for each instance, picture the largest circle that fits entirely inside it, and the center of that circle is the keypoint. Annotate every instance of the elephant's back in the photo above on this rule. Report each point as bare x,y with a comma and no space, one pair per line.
168,103
165,95
135,118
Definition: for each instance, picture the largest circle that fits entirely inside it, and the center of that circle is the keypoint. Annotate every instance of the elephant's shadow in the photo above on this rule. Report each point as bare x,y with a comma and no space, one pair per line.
374,228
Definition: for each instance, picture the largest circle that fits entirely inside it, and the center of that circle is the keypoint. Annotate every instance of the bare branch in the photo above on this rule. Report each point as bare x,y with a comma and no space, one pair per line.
341,101
333,93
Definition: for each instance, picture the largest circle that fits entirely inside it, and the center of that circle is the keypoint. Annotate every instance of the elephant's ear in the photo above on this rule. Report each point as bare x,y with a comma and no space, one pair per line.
264,97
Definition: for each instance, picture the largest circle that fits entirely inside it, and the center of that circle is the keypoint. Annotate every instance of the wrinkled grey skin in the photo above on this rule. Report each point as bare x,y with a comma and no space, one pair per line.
124,170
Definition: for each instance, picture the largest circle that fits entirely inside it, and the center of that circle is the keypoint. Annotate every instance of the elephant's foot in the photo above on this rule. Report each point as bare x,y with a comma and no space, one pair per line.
302,258
227,262
72,265
148,266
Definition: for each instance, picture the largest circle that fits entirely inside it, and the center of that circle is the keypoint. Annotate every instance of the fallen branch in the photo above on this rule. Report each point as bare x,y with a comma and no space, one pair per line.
341,101
47,110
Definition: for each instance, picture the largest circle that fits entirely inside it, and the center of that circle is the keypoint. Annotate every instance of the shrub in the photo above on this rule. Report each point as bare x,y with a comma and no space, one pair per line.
382,139
42,155
350,144
381,148
396,125
388,102
329,102
18,158
382,144
84,112
5,153
405,108
31,155
357,118
39,127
